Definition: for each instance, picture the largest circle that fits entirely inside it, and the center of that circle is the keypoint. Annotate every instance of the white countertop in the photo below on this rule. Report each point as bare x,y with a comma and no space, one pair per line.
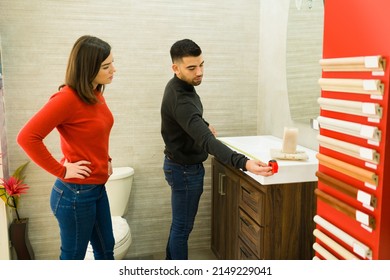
290,171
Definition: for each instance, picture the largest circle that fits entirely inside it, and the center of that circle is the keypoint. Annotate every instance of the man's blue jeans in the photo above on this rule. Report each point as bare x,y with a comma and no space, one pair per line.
83,214
186,183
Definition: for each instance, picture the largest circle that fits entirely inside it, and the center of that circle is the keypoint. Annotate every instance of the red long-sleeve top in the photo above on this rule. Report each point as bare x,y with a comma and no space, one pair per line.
84,135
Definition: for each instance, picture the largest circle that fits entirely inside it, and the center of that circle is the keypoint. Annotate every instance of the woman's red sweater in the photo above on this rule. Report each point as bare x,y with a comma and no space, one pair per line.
84,135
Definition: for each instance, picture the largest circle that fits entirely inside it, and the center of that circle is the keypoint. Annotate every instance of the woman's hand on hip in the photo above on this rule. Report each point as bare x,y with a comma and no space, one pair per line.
110,170
77,169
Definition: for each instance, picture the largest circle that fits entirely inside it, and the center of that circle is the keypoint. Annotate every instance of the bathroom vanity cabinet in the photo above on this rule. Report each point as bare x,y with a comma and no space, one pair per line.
253,220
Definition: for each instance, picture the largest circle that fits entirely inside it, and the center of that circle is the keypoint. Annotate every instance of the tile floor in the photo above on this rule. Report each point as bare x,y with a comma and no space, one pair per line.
198,254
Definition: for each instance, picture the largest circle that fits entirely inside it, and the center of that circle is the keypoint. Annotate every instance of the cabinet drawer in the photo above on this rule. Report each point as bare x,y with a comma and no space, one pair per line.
244,253
252,201
251,233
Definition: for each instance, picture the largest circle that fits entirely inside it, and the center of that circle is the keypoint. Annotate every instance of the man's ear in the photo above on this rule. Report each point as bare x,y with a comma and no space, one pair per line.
175,68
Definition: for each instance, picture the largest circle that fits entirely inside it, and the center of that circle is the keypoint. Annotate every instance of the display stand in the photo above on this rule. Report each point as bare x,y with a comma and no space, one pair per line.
353,201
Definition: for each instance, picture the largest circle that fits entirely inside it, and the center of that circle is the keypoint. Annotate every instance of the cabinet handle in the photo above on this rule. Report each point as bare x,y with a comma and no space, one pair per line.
220,187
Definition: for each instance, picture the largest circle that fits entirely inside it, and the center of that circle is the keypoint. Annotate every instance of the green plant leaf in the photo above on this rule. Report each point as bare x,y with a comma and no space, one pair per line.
19,171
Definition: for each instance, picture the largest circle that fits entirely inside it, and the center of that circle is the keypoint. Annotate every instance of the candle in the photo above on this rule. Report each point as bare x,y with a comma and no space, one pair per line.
290,138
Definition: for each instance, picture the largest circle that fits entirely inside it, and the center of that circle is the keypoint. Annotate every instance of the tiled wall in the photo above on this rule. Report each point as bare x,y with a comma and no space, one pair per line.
36,39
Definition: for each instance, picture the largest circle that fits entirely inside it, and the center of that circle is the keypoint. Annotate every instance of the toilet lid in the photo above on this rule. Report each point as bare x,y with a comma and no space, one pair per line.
121,172
121,230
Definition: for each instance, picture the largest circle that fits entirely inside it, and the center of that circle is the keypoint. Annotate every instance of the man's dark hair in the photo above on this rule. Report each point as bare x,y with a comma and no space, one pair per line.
183,48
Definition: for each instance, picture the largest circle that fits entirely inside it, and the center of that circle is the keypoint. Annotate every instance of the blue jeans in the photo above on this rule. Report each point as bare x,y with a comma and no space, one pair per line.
186,183
83,214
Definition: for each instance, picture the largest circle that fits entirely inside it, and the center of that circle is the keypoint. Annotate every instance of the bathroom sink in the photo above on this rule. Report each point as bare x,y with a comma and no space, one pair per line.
259,147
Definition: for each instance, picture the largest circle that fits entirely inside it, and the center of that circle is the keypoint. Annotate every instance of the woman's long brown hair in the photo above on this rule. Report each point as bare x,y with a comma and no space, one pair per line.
86,57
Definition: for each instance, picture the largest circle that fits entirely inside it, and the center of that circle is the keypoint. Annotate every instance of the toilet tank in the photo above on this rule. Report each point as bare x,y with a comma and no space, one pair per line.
118,189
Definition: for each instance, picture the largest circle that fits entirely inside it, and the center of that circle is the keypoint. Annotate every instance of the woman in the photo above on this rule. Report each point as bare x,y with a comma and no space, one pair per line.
78,111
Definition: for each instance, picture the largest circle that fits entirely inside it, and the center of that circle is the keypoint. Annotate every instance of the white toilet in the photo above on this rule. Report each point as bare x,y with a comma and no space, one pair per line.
118,189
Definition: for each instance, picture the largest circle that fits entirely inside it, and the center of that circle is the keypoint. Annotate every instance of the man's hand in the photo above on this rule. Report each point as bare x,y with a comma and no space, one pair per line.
259,168
213,131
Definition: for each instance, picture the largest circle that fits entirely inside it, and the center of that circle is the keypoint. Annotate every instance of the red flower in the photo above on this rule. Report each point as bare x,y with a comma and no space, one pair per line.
14,186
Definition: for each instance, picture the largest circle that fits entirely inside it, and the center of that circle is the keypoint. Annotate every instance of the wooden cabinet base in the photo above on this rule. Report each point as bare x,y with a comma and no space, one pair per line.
254,221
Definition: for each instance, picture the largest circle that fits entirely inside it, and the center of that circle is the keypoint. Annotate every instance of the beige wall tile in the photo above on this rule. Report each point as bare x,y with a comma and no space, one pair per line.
36,40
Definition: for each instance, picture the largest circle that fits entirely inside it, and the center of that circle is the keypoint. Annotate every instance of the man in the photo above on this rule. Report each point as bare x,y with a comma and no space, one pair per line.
188,141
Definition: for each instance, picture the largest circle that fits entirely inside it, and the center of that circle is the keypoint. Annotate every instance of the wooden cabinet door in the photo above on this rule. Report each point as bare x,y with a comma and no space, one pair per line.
218,215
224,212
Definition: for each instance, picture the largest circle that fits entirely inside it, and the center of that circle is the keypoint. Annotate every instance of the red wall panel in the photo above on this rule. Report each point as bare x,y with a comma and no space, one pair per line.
354,28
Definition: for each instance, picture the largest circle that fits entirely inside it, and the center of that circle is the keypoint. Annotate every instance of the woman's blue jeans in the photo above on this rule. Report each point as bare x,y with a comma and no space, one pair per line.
83,215
186,183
